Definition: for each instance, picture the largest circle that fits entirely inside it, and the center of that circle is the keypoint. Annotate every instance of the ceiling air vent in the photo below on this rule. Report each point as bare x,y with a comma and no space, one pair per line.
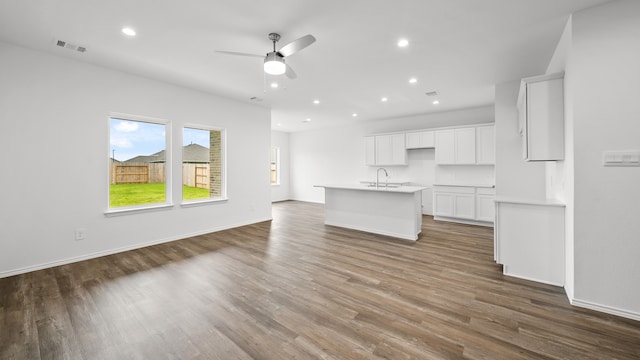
70,46
431,93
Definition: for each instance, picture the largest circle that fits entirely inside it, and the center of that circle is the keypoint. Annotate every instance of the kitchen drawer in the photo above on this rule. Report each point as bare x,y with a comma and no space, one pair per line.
455,189
486,191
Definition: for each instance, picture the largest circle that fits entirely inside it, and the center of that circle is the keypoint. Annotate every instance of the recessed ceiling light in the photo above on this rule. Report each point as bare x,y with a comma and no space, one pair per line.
128,31
413,81
403,42
354,115
316,102
306,120
384,99
436,102
274,85
279,124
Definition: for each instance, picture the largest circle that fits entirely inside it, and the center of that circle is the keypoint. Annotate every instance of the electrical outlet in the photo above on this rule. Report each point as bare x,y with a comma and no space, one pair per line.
621,158
80,234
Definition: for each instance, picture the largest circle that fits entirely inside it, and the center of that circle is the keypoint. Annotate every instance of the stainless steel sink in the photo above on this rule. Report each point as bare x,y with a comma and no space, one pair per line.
383,186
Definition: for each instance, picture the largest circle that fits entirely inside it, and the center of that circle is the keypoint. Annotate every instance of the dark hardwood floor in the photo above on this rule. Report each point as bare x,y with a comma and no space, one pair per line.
294,288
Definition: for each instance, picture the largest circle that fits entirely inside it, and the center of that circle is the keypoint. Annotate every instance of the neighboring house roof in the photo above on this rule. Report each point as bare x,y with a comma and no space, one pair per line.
153,158
192,153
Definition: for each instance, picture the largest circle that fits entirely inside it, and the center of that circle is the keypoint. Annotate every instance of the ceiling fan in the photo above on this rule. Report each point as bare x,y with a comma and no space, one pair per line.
274,61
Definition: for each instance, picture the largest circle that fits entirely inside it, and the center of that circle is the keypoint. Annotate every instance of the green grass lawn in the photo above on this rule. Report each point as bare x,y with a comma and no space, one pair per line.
139,194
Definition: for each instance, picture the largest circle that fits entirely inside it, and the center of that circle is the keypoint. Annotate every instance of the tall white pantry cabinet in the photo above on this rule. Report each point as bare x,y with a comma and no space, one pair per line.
529,234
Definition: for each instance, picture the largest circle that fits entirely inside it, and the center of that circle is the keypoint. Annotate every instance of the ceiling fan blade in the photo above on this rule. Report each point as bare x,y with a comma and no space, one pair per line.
239,53
290,73
297,45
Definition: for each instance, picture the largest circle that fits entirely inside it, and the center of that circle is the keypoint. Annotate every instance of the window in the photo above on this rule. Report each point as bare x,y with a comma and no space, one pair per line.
137,162
203,164
275,165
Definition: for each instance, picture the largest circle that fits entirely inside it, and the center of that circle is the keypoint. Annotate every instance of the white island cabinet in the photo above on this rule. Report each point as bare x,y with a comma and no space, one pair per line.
391,211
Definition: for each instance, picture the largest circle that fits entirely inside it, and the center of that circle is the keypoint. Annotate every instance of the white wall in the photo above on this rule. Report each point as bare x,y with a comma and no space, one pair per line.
604,75
54,147
281,140
337,155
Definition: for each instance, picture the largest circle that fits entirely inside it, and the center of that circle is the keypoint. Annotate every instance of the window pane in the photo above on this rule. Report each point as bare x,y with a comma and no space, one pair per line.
275,166
202,160
137,173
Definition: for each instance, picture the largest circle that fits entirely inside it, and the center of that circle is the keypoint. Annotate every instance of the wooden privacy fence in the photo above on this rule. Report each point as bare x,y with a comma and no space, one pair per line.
137,173
196,175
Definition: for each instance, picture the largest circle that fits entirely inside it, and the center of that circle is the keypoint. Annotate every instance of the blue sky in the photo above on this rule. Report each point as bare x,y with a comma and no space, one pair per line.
132,138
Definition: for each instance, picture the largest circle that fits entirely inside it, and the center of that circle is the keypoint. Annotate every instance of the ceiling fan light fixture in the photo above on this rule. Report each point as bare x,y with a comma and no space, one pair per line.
274,64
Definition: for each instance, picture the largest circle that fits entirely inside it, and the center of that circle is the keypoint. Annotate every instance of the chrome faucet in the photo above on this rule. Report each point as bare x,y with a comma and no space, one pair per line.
386,181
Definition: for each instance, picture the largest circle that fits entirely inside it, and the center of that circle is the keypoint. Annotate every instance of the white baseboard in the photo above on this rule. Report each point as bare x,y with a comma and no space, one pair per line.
605,309
376,231
582,303
98,254
463,221
505,270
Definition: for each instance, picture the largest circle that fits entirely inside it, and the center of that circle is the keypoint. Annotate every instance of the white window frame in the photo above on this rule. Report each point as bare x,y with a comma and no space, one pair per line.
168,203
223,166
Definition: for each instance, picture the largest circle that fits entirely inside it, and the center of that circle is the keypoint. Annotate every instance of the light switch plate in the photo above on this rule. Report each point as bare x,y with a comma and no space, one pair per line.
621,158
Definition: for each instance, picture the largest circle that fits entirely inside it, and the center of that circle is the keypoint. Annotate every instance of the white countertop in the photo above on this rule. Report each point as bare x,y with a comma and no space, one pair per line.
399,189
540,202
467,185
397,183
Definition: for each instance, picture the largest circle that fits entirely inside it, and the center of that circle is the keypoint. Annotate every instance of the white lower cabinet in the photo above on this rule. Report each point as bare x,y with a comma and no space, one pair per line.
464,204
442,203
485,208
467,203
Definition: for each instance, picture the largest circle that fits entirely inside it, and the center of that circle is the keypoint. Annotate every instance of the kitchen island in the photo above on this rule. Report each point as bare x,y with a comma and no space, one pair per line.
393,211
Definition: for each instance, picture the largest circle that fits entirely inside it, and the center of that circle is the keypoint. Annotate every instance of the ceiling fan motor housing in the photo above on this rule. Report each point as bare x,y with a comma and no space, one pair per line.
274,64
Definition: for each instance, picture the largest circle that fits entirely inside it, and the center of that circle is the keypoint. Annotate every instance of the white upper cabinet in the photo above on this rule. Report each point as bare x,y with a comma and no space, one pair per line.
370,150
485,145
541,116
465,141
456,146
420,140
385,150
391,150
467,145
445,147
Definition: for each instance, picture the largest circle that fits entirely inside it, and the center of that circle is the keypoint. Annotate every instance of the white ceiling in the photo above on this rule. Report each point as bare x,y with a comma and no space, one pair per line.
459,48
